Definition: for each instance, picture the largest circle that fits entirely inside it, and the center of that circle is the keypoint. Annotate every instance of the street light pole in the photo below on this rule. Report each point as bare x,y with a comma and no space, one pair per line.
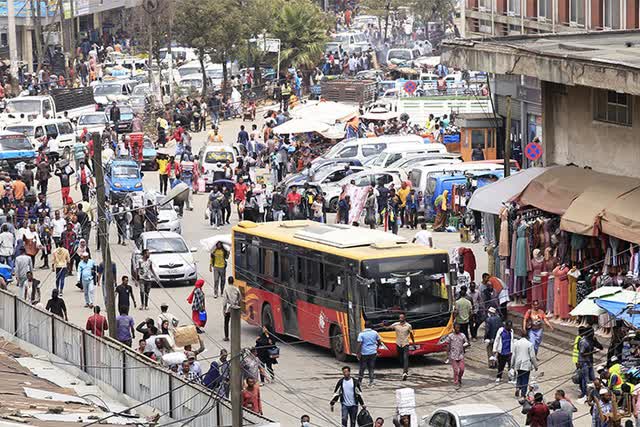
11,35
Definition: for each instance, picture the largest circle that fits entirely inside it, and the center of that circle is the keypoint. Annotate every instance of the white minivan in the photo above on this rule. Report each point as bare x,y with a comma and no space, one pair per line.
399,151
59,132
363,148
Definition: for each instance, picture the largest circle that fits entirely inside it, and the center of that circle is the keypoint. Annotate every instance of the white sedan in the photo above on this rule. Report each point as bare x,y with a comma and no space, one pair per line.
477,415
172,260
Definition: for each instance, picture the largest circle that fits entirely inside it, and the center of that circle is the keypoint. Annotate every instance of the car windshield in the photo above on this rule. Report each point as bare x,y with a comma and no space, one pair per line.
92,119
107,90
148,144
191,83
141,90
415,285
166,246
335,149
218,156
27,130
14,142
23,106
188,71
403,54
127,172
214,74
488,420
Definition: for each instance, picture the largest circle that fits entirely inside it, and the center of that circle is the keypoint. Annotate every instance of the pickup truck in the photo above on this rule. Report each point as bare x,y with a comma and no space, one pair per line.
74,102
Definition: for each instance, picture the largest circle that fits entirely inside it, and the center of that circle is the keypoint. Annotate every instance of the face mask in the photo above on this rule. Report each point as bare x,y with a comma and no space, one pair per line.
306,424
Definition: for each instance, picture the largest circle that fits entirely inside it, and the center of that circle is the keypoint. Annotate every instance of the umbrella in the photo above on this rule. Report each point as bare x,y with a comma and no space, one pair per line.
588,306
224,183
210,242
626,311
382,115
301,126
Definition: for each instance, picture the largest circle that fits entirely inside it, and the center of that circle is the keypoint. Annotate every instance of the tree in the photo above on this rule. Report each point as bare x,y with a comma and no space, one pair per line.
213,27
382,9
302,29
431,10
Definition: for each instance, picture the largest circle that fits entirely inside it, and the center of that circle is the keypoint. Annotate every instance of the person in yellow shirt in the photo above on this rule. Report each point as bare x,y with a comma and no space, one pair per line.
218,265
403,192
59,262
214,137
163,173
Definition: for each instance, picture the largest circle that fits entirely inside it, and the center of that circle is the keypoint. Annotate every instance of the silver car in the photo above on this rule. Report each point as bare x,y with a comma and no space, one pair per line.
172,260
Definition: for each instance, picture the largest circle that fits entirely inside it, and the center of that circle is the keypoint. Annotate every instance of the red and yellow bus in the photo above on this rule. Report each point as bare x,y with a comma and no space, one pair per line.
319,282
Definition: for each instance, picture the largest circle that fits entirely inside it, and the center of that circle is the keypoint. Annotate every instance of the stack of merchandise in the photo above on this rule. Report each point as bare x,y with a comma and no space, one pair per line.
406,404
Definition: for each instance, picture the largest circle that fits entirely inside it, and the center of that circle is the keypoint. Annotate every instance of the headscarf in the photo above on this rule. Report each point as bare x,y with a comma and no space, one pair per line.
82,247
198,285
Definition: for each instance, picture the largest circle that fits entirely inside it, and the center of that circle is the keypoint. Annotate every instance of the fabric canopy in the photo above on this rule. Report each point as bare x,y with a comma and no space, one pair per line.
384,115
622,217
628,312
588,306
326,112
490,198
301,126
555,190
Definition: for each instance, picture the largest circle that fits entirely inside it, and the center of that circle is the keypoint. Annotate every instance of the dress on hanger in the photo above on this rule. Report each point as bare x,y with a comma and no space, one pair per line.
504,249
537,264
549,265
522,259
573,275
561,290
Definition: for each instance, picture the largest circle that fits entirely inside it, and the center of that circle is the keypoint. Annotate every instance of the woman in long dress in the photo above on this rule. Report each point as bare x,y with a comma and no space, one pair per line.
442,211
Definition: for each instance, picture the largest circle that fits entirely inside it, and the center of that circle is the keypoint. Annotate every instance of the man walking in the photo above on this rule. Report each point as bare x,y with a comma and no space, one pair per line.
86,278
349,393
231,298
523,360
502,346
146,277
85,179
491,326
218,265
97,323
403,331
456,342
368,343
462,310
586,349
124,291
23,265
125,327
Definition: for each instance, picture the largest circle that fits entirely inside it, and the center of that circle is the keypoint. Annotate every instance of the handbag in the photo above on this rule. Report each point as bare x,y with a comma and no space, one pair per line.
274,352
575,378
202,316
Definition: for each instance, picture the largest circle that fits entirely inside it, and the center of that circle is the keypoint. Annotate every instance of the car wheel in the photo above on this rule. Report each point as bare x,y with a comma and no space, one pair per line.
337,343
267,318
333,205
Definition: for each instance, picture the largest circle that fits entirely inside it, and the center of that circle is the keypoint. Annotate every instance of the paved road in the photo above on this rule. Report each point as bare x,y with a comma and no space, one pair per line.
306,374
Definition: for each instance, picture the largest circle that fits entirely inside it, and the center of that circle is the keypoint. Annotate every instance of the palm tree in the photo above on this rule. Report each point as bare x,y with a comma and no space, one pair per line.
302,29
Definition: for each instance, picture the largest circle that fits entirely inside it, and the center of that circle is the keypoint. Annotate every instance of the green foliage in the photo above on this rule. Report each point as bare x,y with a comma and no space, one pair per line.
432,10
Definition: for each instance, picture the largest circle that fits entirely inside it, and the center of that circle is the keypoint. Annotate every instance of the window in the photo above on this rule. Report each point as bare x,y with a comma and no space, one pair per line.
611,14
299,270
491,142
484,5
315,275
545,11
269,263
52,131
363,181
514,8
332,279
372,149
477,138
46,106
384,177
39,132
576,12
253,259
348,152
613,107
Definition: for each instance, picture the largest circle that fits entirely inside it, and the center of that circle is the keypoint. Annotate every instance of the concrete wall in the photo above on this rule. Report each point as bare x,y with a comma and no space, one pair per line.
571,135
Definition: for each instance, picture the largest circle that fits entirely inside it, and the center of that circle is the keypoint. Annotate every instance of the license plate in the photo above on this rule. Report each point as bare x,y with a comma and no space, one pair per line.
172,271
414,347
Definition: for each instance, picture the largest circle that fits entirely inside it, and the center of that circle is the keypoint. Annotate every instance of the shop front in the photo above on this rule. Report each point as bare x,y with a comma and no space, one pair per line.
556,234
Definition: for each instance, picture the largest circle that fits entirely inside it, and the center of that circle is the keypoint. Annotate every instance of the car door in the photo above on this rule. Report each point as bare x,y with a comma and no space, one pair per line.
439,419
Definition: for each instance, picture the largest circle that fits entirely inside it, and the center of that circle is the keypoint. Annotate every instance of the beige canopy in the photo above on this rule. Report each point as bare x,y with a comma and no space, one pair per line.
622,218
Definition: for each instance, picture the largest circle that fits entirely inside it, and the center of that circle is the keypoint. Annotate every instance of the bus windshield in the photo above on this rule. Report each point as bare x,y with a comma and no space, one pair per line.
416,286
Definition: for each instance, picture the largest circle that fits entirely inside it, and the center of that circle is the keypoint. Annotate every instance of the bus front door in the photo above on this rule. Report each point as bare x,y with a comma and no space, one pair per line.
354,310
289,298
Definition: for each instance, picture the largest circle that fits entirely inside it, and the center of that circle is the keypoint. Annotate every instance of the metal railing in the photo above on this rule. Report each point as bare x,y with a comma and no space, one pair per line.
117,366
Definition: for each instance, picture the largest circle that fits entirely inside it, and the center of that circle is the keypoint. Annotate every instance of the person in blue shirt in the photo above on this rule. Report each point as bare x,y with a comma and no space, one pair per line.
368,343
86,272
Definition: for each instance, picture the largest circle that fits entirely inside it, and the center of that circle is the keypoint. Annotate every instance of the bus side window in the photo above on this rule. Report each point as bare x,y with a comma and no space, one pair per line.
331,274
299,270
315,275
284,268
253,258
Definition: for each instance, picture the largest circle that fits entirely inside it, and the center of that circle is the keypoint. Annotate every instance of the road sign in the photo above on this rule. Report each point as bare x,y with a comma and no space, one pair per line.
151,6
533,151
410,87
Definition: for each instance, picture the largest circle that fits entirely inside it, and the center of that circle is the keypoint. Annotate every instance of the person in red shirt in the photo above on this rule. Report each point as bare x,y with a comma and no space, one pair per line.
537,416
240,196
293,202
97,323
251,396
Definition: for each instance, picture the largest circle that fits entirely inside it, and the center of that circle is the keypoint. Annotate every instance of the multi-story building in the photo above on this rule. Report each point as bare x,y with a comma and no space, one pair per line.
512,17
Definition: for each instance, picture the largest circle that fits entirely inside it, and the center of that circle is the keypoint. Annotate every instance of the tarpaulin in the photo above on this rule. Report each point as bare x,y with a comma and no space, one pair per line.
630,313
622,217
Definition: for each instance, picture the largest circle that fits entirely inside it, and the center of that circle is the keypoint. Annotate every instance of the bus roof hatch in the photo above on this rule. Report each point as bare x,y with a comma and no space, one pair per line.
344,236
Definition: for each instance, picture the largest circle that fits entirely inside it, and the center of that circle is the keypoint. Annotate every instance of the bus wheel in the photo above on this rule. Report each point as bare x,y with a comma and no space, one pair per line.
337,343
267,318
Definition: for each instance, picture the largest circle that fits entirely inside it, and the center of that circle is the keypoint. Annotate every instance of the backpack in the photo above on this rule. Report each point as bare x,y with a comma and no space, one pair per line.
364,418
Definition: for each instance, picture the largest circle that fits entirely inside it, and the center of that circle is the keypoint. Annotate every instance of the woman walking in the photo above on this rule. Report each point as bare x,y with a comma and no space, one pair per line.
267,351
198,309
533,322
442,211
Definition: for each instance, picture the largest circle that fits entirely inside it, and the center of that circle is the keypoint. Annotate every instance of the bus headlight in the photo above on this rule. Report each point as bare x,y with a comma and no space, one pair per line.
383,347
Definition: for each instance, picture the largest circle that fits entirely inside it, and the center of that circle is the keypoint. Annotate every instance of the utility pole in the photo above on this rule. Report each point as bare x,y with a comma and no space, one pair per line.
35,16
507,140
150,60
12,35
103,234
236,369
72,33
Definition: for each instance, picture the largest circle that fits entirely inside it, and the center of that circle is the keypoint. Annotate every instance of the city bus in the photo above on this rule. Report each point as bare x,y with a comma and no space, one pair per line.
320,282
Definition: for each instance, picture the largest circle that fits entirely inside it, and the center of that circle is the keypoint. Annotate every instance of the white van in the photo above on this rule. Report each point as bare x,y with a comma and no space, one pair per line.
363,148
420,175
59,132
399,151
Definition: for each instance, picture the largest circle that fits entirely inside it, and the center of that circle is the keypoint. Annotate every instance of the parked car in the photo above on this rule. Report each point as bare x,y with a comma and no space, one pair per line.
92,122
403,56
149,154
363,148
477,415
58,131
15,152
362,179
309,173
170,256
168,218
400,151
122,176
210,155
114,90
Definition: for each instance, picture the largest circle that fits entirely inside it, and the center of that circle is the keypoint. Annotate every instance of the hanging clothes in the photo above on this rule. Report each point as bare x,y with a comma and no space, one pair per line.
561,290
504,232
468,260
584,289
491,261
537,265
550,294
573,276
488,228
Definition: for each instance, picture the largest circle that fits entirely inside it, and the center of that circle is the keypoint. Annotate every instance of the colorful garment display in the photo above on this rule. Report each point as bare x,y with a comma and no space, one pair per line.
561,290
